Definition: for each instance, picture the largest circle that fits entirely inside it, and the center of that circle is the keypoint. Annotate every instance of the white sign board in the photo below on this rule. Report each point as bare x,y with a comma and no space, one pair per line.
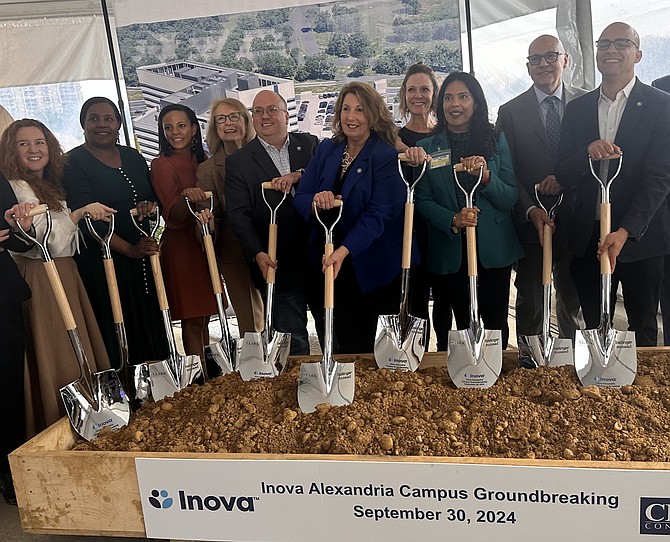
332,501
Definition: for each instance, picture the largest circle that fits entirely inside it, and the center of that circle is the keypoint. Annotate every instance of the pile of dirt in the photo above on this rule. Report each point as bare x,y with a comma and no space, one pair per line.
544,413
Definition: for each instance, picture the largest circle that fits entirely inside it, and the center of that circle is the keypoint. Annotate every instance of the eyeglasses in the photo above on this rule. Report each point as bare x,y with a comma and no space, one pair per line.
619,43
550,57
272,111
232,117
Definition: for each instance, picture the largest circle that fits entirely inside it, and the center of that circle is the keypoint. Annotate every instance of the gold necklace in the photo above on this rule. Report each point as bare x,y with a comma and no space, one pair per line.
347,159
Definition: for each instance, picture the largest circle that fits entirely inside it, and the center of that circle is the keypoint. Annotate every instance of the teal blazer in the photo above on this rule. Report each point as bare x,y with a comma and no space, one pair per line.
497,241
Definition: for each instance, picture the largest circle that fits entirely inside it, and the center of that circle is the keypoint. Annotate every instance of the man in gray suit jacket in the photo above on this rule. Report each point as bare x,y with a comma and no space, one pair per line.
527,123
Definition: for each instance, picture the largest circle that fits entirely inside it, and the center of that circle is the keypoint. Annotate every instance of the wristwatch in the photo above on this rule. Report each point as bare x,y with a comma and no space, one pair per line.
454,228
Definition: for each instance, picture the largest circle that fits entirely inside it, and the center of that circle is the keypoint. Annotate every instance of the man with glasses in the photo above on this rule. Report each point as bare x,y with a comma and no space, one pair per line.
278,156
531,123
622,115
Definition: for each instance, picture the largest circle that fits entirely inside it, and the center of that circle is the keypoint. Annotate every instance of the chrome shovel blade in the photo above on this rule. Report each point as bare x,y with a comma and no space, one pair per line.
112,409
165,381
534,351
319,385
474,360
397,346
605,361
222,355
262,359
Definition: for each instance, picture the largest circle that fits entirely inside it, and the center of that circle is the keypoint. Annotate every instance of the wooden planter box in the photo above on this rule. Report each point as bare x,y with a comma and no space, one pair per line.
60,491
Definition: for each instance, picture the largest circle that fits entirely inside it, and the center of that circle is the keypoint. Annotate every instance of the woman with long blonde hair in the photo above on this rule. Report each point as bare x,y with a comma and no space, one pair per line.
230,128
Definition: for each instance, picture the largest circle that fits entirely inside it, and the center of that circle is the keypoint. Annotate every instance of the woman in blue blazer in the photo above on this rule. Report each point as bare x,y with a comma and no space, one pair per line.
360,166
464,129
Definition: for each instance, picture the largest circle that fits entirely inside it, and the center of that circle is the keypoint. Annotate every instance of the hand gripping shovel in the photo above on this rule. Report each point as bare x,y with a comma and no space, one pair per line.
400,338
176,372
328,381
136,385
94,400
545,350
224,352
265,355
604,356
475,354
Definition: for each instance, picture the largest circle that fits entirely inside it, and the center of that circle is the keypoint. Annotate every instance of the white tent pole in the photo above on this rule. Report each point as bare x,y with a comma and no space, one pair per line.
115,69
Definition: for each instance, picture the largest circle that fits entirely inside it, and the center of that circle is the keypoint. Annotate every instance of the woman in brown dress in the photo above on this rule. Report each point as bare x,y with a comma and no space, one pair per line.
173,176
33,161
230,128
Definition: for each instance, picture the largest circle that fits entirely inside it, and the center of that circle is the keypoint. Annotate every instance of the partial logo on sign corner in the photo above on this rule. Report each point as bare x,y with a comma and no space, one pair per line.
655,515
160,499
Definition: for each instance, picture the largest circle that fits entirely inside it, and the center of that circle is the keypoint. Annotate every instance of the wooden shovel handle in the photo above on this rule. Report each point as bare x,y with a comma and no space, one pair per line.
407,236
40,209
471,239
460,167
113,288
59,294
158,280
272,252
266,185
329,294
547,254
614,156
211,263
605,228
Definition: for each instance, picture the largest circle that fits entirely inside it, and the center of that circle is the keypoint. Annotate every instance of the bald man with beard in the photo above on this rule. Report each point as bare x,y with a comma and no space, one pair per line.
524,122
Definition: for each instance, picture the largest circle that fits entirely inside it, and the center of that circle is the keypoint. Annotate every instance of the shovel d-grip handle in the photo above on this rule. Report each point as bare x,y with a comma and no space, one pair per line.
38,210
272,229
470,231
329,281
134,214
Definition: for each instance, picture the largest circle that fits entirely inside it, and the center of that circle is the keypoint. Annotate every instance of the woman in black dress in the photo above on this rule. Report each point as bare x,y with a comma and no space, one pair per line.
116,175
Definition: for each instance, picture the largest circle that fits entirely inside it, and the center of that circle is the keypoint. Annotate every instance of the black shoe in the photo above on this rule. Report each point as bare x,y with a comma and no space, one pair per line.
7,488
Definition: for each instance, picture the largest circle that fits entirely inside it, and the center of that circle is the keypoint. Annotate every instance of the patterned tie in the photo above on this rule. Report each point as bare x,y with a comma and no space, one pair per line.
553,123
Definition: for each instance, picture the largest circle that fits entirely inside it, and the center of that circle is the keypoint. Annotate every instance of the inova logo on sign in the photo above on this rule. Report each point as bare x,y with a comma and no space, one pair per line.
655,515
161,499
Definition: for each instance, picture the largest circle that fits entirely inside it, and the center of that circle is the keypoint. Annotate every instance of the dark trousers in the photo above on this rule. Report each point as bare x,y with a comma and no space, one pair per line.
12,350
453,290
665,300
356,313
640,281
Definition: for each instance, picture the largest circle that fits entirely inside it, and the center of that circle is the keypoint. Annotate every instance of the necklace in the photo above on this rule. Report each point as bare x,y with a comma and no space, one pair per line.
347,159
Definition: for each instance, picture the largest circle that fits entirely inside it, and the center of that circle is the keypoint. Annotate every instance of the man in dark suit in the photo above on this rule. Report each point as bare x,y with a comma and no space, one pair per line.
664,84
622,115
13,291
277,156
527,124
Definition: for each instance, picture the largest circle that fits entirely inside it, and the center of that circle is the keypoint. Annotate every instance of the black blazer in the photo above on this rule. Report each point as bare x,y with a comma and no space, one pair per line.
249,216
662,82
638,195
520,120
13,288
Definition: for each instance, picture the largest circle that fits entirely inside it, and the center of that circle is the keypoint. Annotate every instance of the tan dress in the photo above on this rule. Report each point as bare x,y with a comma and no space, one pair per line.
50,359
244,296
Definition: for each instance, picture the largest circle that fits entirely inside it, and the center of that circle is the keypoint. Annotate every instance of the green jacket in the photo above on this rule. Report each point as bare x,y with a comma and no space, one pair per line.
497,241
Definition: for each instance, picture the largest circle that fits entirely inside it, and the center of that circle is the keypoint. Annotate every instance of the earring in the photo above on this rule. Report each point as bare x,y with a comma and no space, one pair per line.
193,142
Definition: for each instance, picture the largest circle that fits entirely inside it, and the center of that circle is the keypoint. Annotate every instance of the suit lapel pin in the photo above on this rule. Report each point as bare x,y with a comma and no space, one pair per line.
298,148
639,104
359,170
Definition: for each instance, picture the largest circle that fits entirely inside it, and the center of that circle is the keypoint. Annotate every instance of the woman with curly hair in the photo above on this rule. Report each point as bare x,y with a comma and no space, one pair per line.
173,176
463,128
359,165
33,162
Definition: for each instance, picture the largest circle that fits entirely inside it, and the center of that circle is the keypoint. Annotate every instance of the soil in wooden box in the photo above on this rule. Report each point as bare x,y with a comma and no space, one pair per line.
542,414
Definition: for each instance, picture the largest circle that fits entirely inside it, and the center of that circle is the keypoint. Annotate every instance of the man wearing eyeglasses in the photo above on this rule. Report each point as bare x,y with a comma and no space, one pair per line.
624,116
531,123
278,156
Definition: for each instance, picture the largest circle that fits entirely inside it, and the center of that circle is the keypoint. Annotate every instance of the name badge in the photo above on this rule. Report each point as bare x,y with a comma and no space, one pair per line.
440,159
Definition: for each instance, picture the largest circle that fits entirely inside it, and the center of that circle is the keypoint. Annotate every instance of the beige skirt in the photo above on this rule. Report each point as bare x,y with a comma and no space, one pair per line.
50,358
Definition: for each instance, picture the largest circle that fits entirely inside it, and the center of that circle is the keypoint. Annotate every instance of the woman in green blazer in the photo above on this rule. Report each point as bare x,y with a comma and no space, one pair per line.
464,130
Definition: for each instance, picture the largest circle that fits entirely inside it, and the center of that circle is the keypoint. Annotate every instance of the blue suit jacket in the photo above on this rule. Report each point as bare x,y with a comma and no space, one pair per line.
372,218
638,195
